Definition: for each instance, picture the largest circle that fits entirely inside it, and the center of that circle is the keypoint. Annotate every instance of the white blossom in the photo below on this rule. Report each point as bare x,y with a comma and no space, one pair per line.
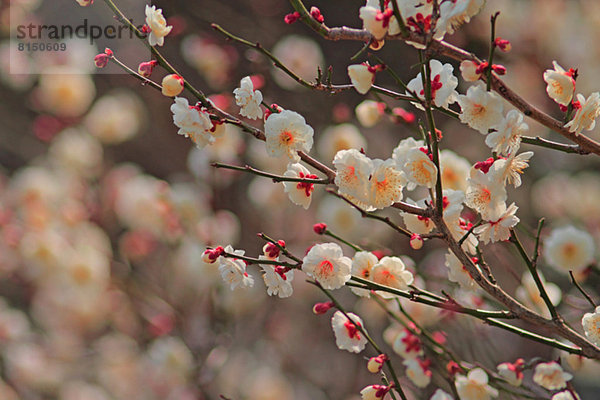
326,263
158,25
300,193
391,271
591,326
417,372
385,185
362,77
248,99
551,376
443,84
279,284
486,195
585,116
233,270
529,294
569,248
498,230
480,109
506,138
287,133
474,386
560,84
362,264
347,335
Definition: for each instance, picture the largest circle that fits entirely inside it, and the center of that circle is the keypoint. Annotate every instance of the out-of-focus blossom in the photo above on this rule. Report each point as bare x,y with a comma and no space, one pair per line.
569,248
65,95
468,70
455,170
347,335
418,371
369,113
76,152
512,372
115,117
340,137
441,395
407,345
475,386
301,55
551,376
529,294
212,60
458,273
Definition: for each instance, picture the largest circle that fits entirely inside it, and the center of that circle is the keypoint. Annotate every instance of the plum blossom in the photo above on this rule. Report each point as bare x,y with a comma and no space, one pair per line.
418,371
486,195
172,85
326,263
362,77
374,392
248,99
480,109
468,70
353,170
507,136
278,279
362,264
585,116
419,168
193,122
441,395
300,193
391,271
416,223
591,326
560,84
385,186
369,113
347,335
455,170
512,372
509,170
529,294
340,137
458,273
287,133
475,386
443,84
551,376
407,345
564,395
453,14
369,13
158,25
498,230
569,248
233,270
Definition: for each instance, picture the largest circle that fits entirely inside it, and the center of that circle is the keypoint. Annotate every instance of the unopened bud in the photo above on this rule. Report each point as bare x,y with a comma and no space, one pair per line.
375,364
172,85
85,3
452,367
211,255
416,241
499,69
376,44
320,228
316,14
291,17
271,250
101,60
322,308
468,70
145,69
503,44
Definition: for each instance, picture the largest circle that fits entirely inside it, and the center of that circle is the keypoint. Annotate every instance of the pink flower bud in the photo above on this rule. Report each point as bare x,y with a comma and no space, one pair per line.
101,60
416,241
322,308
145,69
499,69
375,364
316,14
172,85
452,368
292,17
271,250
502,44
320,228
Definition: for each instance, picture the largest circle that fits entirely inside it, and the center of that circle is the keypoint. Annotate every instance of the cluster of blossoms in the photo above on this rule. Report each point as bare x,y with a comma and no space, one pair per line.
464,203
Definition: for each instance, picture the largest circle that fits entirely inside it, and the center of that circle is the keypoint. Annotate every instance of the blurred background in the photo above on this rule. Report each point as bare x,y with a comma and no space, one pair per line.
105,211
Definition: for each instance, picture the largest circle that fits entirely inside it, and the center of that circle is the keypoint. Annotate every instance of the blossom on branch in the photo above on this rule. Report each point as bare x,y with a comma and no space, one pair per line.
481,110
278,279
498,230
551,376
560,84
300,193
248,99
362,264
443,85
586,114
591,326
327,264
506,138
158,26
287,133
233,270
347,334
391,271
475,386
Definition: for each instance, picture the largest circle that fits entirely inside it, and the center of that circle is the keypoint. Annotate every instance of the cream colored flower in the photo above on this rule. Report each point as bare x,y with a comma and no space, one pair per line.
468,70
443,84
193,122
300,193
347,335
419,169
453,14
368,14
362,264
551,376
353,170
507,137
455,170
391,271
248,99
498,230
402,152
278,283
474,386
480,109
340,137
529,294
418,372
287,133
560,84
362,77
233,270
569,248
158,25
509,170
511,373
441,395
458,273
591,326
486,195
326,263
416,223
385,186
585,117
368,113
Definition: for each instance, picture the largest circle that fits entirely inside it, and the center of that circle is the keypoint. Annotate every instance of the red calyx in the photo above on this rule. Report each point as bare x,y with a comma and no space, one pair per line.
316,14
292,17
